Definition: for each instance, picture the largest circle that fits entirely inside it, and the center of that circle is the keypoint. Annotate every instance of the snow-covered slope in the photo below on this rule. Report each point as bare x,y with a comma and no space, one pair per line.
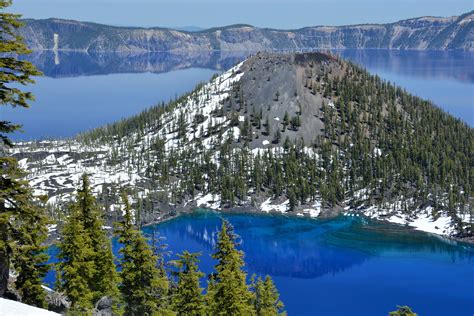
198,126
12,308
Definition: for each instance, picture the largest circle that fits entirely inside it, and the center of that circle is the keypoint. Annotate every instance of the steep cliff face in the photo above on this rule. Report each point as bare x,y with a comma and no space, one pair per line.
419,33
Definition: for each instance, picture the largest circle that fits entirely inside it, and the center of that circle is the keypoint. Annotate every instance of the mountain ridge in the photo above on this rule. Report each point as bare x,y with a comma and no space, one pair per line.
436,33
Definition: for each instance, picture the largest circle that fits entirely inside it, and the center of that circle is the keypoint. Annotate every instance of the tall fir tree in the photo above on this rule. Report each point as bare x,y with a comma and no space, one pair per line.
188,298
228,292
144,288
76,267
23,231
14,194
30,259
87,271
13,71
106,278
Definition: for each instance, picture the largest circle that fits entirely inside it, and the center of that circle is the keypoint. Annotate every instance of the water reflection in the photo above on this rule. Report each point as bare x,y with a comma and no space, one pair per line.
72,64
425,64
301,248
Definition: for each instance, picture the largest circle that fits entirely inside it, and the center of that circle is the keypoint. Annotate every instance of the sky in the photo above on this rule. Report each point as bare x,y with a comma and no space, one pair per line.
282,14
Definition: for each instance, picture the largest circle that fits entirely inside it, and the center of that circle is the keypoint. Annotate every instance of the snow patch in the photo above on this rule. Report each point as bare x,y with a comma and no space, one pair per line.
13,308
268,207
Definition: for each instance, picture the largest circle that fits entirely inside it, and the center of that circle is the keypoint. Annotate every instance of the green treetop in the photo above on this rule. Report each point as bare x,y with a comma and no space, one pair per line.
22,233
144,288
188,298
13,72
403,311
76,267
267,299
105,283
228,293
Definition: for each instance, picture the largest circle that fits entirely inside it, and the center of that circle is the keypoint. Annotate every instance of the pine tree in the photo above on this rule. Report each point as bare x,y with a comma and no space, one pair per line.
13,72
267,299
143,287
228,293
22,231
105,280
188,298
30,258
76,267
15,195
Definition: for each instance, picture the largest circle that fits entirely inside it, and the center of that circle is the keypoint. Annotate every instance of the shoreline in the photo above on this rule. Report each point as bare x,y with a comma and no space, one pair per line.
190,208
252,210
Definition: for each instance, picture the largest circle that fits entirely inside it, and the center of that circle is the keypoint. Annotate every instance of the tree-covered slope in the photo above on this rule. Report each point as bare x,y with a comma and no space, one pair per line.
308,134
418,33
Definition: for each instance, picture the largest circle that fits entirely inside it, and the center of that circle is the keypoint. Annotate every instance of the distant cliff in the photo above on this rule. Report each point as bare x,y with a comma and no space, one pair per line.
438,33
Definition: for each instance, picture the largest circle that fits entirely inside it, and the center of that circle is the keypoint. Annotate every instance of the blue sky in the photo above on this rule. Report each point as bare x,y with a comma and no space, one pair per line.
263,13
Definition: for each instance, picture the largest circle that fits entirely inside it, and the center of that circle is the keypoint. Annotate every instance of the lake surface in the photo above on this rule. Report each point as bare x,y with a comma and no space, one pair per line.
341,266
82,91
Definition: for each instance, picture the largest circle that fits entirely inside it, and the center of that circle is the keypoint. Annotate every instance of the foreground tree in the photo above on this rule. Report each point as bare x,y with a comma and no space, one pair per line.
267,299
188,298
76,268
143,286
13,72
23,231
105,278
16,200
87,268
228,292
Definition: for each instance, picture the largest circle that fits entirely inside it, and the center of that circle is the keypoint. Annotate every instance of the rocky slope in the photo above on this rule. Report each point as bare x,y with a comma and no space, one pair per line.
306,134
419,33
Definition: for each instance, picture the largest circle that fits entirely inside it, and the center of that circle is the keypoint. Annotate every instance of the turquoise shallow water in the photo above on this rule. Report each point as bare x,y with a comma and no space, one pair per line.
343,266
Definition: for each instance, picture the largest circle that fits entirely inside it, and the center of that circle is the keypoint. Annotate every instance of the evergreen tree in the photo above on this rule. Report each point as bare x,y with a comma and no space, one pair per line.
76,267
267,299
105,280
143,287
13,72
22,231
15,195
228,292
188,298
30,259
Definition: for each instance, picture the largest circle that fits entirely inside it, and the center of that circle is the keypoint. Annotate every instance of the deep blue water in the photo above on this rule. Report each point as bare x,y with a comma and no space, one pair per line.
81,91
344,266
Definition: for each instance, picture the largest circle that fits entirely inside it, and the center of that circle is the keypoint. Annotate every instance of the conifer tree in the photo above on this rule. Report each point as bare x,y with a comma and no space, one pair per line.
228,292
76,268
13,72
105,280
188,298
143,287
30,259
267,299
22,231
15,196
